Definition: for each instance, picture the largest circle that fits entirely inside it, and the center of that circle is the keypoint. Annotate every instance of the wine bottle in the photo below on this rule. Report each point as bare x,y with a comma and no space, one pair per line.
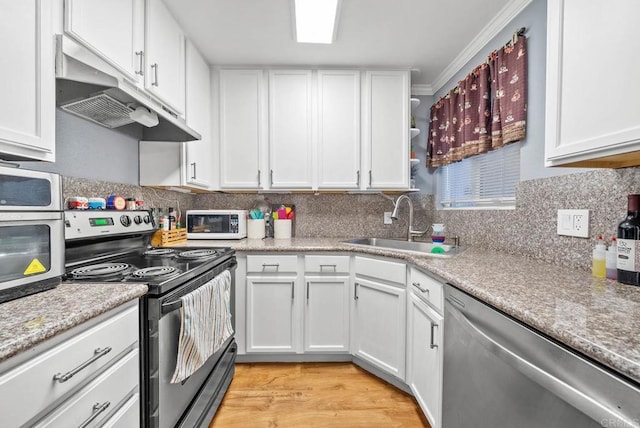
628,262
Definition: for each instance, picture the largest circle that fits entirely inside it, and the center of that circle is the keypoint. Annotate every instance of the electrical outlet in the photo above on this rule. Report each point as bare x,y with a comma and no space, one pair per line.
573,223
387,217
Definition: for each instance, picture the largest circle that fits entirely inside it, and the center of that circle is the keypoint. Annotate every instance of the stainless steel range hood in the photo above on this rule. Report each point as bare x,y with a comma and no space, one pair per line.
89,87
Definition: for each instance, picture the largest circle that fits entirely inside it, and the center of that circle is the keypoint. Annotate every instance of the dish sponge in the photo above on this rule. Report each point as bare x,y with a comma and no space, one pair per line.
438,250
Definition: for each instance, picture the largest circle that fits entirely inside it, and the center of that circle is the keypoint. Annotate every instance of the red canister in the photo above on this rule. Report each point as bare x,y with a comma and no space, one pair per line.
116,202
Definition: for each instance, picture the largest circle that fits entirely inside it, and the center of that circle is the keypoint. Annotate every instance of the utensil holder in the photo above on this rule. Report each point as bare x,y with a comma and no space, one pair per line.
255,228
282,229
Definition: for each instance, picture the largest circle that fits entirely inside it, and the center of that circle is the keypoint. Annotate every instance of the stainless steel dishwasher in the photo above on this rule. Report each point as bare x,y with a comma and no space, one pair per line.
501,373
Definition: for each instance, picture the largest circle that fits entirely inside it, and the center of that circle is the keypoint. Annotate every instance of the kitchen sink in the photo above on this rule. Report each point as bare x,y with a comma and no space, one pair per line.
423,248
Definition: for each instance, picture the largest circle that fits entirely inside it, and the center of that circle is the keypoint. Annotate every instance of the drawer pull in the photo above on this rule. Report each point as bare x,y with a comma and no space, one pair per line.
98,353
432,344
355,291
417,285
97,409
334,267
276,266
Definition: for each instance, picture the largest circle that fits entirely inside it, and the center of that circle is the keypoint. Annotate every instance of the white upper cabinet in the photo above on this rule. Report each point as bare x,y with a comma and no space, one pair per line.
165,51
591,48
113,29
386,130
242,129
338,151
290,129
198,154
27,81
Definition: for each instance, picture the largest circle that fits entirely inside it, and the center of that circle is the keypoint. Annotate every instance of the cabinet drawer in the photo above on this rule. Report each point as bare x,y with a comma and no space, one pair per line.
127,416
381,269
326,264
99,398
272,264
37,374
427,288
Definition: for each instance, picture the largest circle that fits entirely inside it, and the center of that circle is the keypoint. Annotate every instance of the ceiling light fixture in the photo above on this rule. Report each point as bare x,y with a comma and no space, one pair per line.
316,20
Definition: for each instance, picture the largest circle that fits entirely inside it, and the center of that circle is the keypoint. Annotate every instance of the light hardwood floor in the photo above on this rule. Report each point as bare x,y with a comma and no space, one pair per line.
314,395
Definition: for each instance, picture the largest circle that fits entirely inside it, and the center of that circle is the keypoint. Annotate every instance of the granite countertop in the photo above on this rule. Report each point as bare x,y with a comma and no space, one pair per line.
32,319
597,317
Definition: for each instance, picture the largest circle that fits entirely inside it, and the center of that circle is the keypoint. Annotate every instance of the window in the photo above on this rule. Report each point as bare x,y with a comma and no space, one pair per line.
488,180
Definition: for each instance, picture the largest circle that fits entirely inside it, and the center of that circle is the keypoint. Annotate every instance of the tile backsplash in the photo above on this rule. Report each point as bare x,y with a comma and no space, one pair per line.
528,230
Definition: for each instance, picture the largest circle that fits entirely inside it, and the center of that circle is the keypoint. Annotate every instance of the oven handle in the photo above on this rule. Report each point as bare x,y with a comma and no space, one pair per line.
173,305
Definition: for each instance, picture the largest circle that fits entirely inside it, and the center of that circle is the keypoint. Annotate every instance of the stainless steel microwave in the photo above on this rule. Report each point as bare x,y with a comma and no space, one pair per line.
216,224
31,232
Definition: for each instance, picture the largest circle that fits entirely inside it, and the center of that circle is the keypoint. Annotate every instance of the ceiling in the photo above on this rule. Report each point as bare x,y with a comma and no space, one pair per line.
429,36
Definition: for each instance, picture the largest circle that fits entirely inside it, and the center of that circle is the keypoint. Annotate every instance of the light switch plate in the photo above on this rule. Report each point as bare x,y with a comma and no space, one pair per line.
387,217
573,223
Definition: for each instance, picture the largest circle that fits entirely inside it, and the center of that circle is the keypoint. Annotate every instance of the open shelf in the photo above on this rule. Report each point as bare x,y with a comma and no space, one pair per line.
415,132
415,102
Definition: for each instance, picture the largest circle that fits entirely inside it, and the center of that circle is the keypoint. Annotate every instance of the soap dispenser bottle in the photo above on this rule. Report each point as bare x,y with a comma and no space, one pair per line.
598,266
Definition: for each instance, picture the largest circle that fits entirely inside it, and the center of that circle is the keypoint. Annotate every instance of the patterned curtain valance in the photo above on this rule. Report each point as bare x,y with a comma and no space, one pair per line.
487,109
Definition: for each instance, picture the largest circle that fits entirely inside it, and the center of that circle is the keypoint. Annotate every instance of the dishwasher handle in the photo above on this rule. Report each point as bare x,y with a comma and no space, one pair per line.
588,405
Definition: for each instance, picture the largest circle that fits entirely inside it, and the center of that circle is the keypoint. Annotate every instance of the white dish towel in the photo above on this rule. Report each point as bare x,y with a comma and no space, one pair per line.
205,325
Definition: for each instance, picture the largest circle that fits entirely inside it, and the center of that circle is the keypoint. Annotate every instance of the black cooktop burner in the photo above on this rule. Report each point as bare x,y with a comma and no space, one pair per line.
155,272
197,254
102,271
160,252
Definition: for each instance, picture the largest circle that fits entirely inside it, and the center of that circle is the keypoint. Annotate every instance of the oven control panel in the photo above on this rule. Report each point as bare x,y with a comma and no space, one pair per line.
92,223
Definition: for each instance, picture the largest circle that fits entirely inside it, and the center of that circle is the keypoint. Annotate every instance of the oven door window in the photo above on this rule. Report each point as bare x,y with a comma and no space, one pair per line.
24,191
209,224
25,251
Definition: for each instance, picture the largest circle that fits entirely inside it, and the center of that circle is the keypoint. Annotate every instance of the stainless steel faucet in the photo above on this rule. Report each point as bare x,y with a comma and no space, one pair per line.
394,215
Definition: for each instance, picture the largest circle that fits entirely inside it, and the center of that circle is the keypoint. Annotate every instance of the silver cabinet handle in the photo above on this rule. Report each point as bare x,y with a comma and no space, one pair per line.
307,290
355,291
98,353
97,409
417,285
259,178
140,55
358,178
154,82
334,267
268,265
370,178
293,288
270,177
432,344
193,177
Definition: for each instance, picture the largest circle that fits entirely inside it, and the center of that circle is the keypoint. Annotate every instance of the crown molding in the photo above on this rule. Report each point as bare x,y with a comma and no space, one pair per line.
421,89
497,24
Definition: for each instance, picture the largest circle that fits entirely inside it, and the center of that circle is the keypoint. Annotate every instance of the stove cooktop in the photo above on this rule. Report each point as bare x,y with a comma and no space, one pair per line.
162,268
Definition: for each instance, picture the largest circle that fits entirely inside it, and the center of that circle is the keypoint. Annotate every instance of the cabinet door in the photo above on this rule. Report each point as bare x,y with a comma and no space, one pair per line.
386,129
424,357
290,129
272,318
165,63
326,315
338,154
114,30
378,322
242,133
580,126
198,155
27,81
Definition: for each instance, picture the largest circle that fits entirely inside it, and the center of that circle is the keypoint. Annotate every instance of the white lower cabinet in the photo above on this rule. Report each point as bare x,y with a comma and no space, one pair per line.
89,372
424,357
378,314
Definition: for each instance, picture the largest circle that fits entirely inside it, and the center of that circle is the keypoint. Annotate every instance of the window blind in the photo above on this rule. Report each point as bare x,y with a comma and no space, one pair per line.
488,180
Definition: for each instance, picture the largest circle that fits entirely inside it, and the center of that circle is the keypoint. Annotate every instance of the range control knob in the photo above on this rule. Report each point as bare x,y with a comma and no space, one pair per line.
125,220
137,219
147,219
